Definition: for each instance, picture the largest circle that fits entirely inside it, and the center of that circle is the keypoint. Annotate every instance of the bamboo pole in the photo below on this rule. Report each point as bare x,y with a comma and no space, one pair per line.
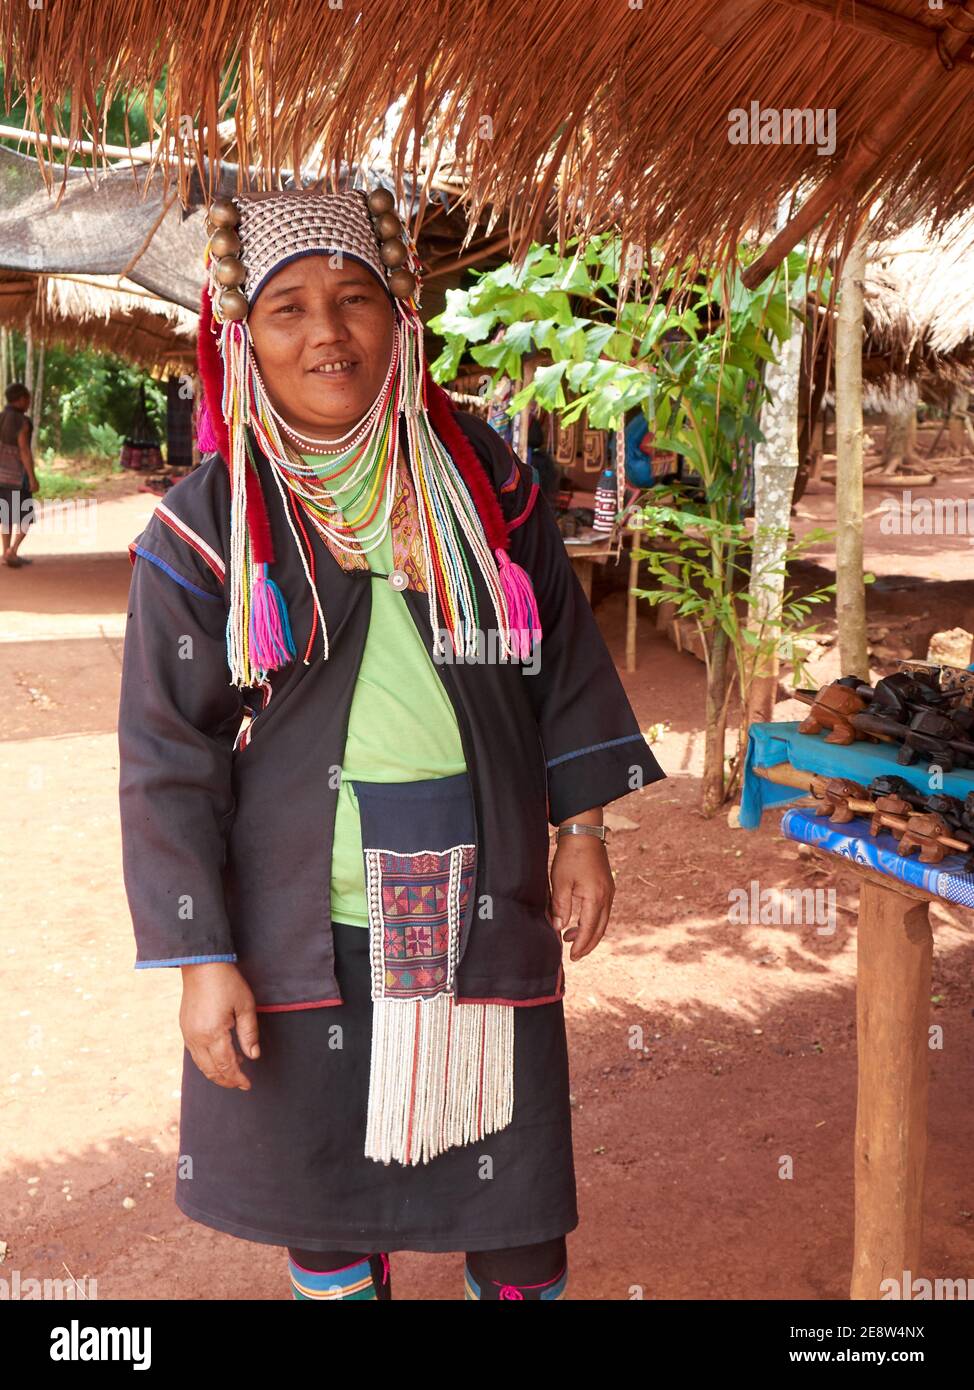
524,416
850,599
38,401
873,19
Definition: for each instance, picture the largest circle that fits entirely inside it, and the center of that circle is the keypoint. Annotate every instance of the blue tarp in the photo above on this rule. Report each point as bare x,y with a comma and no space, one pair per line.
852,840
768,744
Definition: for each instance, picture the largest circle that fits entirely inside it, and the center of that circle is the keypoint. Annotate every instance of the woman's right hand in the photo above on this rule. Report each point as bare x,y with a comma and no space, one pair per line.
217,998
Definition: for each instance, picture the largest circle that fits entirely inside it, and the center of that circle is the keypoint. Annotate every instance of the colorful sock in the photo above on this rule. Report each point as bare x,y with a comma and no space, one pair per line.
490,1291
367,1278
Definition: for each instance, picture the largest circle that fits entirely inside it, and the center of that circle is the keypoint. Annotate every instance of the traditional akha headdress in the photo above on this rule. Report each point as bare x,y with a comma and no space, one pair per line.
252,237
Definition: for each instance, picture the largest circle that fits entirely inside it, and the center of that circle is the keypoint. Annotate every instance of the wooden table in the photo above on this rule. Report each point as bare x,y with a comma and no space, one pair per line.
894,961
595,549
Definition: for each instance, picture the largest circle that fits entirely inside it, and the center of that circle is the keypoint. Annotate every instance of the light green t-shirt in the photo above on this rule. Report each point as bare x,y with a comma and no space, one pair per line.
401,726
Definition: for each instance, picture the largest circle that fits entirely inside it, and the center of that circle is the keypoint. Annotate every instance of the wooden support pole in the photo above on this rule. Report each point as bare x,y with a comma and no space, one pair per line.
913,98
957,425
895,955
631,600
874,20
523,422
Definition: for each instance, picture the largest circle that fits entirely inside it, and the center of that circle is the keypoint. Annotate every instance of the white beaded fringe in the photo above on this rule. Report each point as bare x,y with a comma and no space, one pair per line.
442,1074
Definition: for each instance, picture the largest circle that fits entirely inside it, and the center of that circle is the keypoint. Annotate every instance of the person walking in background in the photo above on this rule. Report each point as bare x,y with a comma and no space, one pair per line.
18,481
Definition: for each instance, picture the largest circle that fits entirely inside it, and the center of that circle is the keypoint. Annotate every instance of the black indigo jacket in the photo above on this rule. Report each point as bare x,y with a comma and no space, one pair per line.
228,798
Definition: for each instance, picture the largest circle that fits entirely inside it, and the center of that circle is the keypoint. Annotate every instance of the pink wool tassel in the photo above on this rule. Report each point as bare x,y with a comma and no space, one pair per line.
271,643
205,434
523,620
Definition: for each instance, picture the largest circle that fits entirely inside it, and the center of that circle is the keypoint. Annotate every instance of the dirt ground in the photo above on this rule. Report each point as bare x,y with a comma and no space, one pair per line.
748,1031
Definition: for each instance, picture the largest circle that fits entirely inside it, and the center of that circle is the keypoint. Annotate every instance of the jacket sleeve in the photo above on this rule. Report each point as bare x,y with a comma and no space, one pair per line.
178,719
594,749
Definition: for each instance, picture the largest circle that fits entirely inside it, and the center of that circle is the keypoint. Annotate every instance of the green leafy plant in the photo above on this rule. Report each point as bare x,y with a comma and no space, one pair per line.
687,352
725,605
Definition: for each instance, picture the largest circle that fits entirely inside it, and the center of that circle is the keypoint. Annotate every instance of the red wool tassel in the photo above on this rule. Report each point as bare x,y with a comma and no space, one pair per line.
211,416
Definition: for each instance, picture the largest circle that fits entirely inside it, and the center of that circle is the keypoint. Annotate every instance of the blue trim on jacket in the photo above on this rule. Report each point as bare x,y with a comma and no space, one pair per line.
595,748
184,960
174,574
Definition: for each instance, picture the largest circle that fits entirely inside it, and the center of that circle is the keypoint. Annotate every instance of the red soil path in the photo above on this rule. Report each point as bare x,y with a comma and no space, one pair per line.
750,1030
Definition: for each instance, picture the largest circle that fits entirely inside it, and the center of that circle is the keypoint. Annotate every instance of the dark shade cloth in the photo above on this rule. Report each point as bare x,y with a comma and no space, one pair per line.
283,1163
179,424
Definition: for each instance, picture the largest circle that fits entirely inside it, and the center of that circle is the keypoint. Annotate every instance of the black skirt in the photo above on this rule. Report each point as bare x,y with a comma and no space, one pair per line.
283,1163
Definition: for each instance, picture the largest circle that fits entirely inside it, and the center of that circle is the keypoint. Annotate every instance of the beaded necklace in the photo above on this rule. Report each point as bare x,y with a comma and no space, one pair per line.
259,638
368,458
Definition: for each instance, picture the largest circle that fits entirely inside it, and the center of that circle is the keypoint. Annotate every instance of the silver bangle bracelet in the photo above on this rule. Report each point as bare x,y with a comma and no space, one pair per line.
599,831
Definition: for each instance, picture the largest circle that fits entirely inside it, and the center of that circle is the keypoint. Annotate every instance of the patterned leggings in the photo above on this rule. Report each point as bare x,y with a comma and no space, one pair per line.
529,1272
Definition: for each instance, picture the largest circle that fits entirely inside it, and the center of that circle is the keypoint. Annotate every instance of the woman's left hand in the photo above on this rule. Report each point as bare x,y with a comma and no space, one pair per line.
580,873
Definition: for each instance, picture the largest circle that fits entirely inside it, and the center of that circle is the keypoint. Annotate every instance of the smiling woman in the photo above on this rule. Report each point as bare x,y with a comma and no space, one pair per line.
323,331
355,883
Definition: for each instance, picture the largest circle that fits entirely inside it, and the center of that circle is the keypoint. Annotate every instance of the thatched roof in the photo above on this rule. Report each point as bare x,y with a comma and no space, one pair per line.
919,304
105,312
609,111
920,287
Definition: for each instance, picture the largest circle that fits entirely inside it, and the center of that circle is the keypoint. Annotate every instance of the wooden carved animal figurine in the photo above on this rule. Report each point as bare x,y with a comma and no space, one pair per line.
921,834
891,805
832,709
835,793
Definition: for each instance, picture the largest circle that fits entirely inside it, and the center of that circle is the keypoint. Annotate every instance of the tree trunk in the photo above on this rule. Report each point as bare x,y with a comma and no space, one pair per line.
850,602
775,467
713,755
958,428
29,357
901,438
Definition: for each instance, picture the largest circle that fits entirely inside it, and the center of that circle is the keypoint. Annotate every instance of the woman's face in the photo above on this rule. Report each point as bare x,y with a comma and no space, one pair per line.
322,330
